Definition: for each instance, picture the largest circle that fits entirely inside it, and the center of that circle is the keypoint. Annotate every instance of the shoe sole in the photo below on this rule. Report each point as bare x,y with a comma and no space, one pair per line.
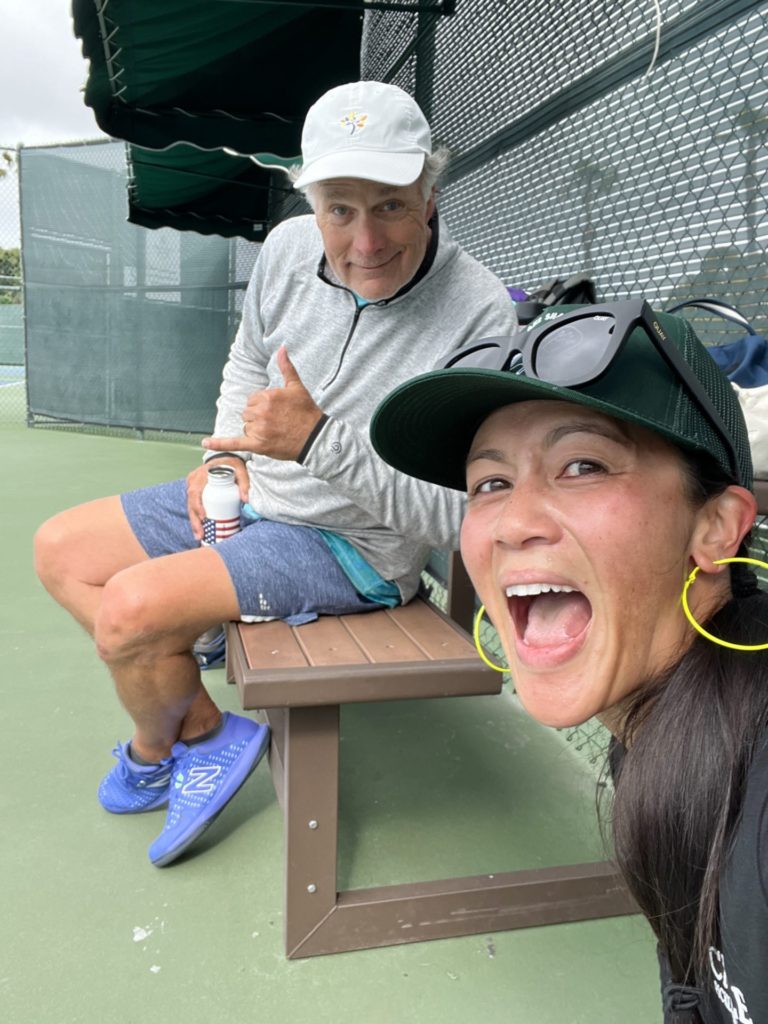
137,810
186,841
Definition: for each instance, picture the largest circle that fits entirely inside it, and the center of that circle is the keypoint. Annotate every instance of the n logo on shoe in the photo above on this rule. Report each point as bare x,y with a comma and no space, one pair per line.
200,781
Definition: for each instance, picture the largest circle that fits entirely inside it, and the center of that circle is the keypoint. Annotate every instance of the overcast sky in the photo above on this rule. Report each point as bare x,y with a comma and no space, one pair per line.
42,72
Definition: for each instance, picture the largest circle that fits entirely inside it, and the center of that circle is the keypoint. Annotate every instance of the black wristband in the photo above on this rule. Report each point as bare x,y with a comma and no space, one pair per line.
222,455
311,439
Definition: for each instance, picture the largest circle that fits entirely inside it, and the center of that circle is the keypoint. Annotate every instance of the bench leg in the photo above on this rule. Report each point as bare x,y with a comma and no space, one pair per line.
232,638
321,920
307,742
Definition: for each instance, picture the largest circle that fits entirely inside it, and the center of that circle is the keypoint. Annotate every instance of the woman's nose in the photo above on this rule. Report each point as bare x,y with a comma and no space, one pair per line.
524,518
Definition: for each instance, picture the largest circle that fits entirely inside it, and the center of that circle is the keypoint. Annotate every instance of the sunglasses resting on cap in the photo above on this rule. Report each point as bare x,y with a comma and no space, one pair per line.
621,358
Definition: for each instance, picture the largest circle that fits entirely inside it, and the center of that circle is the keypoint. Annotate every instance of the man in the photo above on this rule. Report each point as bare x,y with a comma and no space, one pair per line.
341,306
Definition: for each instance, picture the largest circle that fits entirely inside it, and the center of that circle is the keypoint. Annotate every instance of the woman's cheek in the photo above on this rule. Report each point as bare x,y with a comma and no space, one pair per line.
476,547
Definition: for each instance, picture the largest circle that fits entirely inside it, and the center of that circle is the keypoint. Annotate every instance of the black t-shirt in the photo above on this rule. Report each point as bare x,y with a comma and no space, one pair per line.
736,991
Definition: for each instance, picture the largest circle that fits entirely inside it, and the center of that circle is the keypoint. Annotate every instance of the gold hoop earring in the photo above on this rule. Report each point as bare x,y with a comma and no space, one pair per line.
699,628
476,638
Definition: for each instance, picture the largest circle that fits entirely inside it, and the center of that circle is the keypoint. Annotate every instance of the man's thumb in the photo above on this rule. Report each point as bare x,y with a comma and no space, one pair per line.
288,370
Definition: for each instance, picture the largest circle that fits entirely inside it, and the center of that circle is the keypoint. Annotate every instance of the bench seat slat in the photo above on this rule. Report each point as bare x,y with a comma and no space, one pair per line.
434,634
381,640
326,641
271,645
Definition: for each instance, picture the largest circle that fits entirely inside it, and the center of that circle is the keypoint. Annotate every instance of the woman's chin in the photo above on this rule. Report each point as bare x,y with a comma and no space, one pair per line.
558,700
561,719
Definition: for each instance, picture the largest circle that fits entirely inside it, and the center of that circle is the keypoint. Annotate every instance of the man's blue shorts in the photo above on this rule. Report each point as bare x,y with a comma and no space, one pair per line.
278,571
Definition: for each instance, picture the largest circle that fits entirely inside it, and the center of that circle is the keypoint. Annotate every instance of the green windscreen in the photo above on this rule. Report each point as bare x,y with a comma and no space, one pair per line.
11,334
125,327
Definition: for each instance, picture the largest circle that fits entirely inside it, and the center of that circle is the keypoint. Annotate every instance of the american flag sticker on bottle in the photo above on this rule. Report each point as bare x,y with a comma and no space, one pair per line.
215,530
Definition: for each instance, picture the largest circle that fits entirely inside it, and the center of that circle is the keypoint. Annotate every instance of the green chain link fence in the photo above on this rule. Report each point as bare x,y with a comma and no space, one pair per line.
12,392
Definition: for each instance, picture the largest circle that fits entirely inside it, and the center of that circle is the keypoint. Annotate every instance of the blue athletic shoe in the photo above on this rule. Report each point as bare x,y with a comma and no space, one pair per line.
132,788
205,778
210,649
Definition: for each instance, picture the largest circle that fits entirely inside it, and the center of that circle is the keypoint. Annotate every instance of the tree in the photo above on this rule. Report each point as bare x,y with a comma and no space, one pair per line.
10,261
10,277
8,159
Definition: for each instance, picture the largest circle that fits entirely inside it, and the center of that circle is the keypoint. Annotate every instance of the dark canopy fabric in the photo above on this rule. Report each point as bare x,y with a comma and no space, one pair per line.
184,80
196,190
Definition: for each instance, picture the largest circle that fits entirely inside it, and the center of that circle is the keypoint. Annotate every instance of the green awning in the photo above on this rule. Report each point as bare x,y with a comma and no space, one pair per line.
205,191
185,81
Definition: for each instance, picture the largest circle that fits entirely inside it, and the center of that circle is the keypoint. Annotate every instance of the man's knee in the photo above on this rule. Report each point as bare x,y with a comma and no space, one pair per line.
124,624
134,623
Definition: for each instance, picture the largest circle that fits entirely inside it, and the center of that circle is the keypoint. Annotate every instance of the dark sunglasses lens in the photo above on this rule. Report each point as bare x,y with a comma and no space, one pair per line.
485,355
571,353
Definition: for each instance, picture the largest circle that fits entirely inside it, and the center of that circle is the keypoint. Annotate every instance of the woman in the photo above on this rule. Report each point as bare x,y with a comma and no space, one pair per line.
607,468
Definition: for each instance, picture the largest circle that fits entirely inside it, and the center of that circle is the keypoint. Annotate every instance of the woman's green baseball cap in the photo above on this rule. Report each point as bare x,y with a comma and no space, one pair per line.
425,427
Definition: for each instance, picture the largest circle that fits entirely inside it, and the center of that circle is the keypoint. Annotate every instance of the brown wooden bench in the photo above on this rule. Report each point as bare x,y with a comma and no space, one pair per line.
299,677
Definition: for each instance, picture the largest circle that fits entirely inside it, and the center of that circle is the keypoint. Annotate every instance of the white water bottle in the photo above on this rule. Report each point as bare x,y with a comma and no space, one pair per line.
221,504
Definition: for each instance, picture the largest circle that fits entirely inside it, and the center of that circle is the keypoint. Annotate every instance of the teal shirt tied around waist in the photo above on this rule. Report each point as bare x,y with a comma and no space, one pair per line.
360,573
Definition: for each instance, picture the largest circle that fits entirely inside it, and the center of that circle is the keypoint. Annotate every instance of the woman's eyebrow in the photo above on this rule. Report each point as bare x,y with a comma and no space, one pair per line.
613,433
492,454
608,430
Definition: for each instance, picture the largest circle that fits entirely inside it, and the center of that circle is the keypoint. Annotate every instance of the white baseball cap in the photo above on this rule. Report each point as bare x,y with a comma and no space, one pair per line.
364,130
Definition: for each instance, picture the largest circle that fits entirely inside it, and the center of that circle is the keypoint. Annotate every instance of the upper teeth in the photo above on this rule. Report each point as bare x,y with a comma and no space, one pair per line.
533,589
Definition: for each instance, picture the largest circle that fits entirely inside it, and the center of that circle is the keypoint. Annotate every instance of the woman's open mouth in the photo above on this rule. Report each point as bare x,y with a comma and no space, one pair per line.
550,620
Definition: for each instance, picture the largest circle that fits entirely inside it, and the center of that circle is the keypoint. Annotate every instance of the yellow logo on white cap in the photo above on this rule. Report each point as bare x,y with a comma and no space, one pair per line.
355,121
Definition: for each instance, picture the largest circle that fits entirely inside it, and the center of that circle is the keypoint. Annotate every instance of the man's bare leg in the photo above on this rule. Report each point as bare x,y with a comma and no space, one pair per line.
83,552
148,618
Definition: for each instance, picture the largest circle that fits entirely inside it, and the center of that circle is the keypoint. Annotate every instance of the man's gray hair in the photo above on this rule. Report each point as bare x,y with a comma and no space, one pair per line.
435,166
